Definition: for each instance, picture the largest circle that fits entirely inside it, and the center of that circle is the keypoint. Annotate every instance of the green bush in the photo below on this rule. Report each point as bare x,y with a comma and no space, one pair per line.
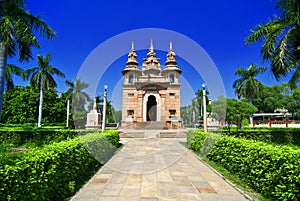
56,170
18,136
271,170
271,135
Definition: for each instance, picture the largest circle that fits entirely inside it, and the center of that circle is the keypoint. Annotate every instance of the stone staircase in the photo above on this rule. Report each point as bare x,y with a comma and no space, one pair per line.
150,125
152,133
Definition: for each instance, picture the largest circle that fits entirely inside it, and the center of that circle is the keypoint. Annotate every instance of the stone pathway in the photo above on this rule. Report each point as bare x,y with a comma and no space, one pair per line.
156,169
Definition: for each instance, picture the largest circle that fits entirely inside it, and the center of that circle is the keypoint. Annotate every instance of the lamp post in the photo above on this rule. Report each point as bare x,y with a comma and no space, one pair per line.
68,112
104,108
204,108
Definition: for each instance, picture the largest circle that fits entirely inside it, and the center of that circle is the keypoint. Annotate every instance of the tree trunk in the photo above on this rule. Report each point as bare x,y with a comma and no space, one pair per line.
3,59
40,105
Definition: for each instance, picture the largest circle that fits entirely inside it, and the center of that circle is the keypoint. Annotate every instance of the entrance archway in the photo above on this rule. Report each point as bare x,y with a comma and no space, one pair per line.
151,108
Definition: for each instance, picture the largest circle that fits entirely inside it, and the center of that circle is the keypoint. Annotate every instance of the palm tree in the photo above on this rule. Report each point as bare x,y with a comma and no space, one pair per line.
10,70
17,28
247,86
79,97
281,37
42,77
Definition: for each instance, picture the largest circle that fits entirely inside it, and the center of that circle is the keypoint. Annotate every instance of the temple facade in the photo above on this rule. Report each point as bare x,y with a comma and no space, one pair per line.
151,94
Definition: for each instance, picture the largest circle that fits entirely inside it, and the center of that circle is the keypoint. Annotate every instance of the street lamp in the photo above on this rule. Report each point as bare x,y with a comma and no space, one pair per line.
104,108
68,112
204,108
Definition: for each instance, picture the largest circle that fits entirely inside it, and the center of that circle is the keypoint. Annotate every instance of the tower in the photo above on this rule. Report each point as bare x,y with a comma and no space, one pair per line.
150,93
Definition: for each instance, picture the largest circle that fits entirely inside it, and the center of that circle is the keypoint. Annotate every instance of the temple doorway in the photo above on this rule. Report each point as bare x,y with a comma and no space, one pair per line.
151,108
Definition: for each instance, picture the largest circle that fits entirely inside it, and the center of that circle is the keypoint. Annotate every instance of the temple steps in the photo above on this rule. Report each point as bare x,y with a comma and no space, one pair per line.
150,125
133,133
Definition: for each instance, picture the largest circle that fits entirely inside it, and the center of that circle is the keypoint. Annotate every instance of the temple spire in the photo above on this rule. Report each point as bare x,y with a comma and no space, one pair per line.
151,52
171,56
132,56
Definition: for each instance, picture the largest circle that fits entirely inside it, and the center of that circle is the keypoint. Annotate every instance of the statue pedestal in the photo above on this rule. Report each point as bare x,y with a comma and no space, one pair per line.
93,119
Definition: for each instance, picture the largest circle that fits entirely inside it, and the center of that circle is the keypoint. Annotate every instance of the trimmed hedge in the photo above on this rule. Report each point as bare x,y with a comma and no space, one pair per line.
273,171
38,136
271,135
56,170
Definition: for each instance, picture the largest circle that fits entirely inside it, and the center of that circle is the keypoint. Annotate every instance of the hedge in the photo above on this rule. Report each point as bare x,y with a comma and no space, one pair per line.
271,135
17,136
273,171
56,170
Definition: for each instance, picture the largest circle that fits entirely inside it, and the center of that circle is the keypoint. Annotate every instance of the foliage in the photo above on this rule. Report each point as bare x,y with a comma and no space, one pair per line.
219,108
281,40
17,31
78,97
270,135
278,97
20,136
20,105
10,70
236,110
271,170
41,77
247,86
56,170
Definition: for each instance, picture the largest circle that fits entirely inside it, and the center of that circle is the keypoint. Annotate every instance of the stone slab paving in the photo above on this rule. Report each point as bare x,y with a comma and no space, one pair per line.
156,169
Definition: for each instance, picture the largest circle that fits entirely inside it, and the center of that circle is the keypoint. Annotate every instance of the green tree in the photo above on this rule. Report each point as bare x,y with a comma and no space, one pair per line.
79,99
247,86
236,111
219,109
10,70
78,96
20,106
41,77
270,99
281,40
17,29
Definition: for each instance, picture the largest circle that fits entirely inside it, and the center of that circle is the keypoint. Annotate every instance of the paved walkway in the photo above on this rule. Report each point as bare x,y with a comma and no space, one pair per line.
156,170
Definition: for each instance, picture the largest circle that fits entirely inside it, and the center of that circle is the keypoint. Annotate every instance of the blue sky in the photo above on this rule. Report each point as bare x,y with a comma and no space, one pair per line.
219,27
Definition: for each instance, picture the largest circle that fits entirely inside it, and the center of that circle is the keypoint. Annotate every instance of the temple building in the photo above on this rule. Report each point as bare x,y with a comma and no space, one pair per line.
151,94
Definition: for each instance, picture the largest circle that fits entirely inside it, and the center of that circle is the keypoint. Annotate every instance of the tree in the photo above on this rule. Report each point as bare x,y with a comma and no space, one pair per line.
78,96
236,111
78,100
41,77
247,86
10,70
199,97
270,99
281,40
17,29
219,109
20,106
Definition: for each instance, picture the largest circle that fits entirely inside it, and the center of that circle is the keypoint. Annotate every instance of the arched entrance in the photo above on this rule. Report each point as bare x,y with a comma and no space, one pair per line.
151,108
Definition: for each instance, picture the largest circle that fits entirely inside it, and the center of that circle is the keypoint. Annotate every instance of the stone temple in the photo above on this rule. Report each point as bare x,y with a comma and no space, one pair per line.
151,93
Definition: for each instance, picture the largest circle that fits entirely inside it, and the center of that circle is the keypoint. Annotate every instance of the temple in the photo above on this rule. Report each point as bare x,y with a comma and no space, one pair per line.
151,95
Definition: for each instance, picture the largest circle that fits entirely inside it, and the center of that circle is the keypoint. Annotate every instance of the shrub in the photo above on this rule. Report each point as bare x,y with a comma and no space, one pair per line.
273,135
54,171
271,170
18,136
